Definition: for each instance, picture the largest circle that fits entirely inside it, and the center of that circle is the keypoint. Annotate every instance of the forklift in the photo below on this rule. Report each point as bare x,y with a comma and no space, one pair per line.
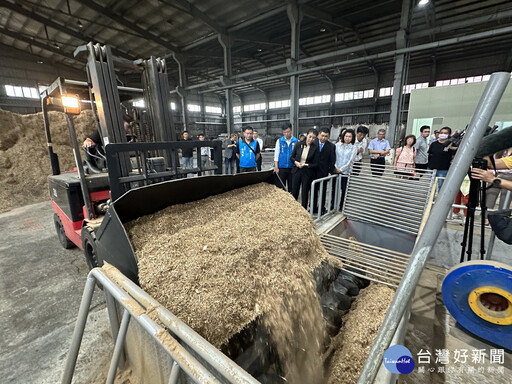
80,198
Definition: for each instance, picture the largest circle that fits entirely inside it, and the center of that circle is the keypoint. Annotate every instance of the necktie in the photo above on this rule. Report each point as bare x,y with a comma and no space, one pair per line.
321,146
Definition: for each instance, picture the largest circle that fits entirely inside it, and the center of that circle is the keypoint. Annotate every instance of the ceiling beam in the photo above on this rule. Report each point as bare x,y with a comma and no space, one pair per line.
25,39
58,27
241,25
128,24
325,17
185,6
255,39
59,67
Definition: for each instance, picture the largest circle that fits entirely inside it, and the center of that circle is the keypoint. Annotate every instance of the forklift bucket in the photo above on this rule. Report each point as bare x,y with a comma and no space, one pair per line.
113,244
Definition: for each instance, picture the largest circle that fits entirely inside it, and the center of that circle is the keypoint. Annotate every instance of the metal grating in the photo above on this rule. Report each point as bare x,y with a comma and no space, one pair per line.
367,261
387,200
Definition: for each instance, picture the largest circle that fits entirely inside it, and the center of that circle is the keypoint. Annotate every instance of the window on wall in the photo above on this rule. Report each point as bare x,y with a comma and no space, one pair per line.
311,100
255,107
356,95
279,104
237,109
462,80
368,93
194,108
387,91
173,105
26,92
210,109
409,87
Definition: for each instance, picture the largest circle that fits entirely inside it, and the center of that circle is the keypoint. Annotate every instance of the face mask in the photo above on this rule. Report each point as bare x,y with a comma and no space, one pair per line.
443,136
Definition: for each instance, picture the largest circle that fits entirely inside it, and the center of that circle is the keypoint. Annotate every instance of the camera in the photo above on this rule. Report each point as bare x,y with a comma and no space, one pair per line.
480,163
455,139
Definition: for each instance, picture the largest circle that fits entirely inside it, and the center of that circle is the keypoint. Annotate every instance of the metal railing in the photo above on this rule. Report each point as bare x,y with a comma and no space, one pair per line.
328,185
193,357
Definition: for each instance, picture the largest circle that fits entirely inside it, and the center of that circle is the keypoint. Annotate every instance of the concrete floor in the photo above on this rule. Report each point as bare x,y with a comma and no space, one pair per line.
40,291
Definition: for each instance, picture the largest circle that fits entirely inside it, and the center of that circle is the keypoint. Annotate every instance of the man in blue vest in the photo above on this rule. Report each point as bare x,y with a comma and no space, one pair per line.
248,151
282,163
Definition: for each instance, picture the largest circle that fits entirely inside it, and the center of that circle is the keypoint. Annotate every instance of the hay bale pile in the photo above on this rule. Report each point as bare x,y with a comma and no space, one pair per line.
24,160
221,262
360,327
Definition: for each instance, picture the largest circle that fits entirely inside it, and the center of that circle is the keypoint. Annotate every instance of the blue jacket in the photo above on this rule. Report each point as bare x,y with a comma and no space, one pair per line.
248,156
285,151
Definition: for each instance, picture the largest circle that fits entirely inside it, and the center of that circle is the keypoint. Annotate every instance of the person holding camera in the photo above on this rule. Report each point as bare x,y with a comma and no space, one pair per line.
488,177
440,155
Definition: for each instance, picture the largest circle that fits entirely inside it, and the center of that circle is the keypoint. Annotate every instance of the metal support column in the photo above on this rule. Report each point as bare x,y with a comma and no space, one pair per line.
226,41
401,69
180,89
295,16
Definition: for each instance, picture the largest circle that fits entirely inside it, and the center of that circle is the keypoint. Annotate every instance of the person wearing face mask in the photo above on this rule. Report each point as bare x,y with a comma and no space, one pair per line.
440,155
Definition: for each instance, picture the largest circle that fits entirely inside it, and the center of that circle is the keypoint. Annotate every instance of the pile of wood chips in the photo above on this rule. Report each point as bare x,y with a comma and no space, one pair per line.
360,327
220,262
24,160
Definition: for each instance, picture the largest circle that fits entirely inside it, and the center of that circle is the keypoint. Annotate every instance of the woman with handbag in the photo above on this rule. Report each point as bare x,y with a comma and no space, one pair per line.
305,159
405,158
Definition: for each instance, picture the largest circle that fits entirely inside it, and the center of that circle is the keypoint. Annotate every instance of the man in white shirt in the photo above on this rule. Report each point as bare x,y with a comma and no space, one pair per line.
206,156
361,144
255,136
379,148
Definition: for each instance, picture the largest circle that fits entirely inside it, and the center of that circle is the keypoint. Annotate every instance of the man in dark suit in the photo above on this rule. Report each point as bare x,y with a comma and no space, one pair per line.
305,159
326,160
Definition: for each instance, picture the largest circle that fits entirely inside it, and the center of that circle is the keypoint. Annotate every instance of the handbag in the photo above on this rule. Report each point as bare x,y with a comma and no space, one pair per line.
501,224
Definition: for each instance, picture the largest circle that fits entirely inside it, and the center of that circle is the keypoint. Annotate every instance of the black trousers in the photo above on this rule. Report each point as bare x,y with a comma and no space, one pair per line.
377,171
344,181
423,168
357,167
258,163
301,181
285,174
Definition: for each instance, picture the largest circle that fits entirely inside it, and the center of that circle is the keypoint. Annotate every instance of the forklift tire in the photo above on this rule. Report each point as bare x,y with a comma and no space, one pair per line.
61,234
89,247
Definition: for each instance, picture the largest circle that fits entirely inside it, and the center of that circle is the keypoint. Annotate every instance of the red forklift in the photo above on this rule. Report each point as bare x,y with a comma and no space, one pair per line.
80,198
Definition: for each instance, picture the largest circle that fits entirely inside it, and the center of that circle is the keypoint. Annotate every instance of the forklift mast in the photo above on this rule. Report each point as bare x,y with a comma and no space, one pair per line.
156,94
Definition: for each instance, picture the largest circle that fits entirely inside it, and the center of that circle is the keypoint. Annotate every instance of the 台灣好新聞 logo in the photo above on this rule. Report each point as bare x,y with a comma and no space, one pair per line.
398,359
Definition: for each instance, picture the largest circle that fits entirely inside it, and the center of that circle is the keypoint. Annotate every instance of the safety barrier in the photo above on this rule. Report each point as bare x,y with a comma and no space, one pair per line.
193,357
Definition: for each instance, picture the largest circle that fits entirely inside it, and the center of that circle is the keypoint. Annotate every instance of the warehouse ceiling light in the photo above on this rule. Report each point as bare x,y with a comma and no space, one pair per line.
423,2
323,29
79,23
